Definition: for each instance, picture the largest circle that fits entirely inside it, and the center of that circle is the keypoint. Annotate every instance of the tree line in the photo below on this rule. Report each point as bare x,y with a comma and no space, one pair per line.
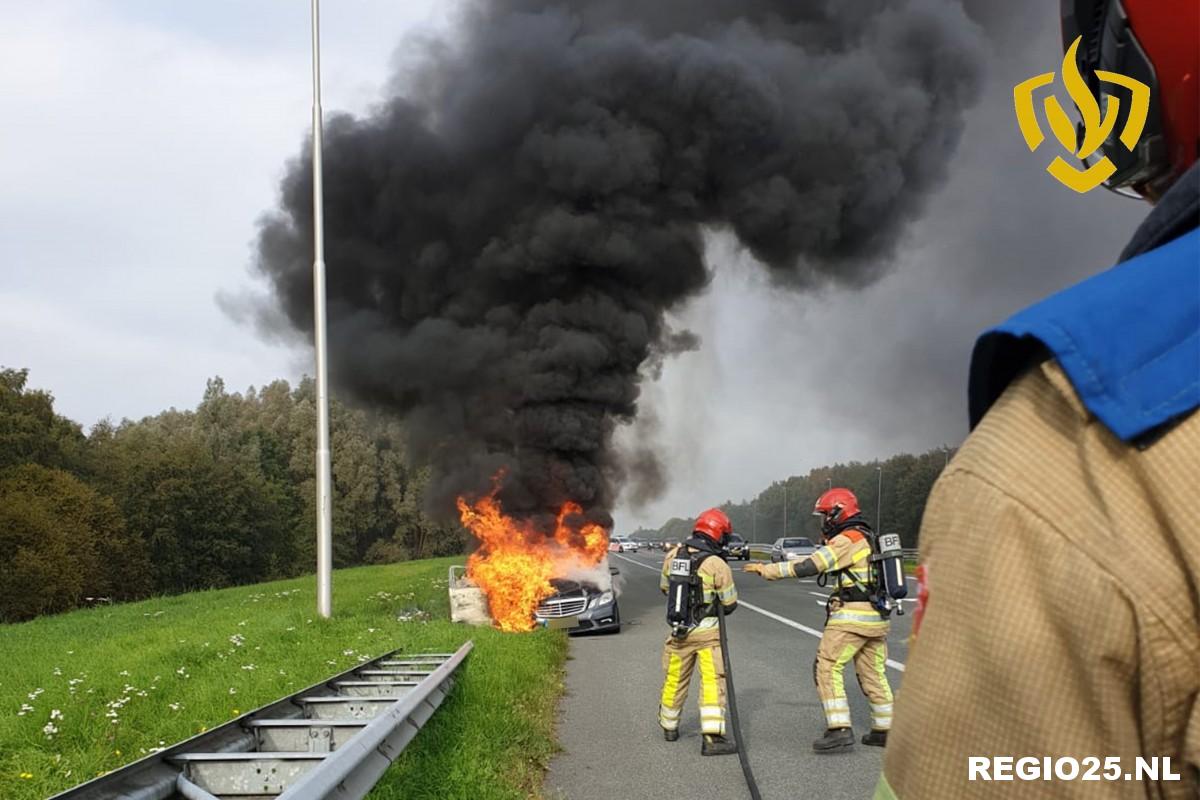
891,493
216,496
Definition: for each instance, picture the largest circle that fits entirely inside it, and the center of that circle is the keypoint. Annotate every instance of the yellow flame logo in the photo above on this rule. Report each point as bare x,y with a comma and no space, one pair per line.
1096,128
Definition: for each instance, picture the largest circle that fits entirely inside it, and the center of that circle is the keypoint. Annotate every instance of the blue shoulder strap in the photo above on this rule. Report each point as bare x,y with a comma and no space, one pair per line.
1128,339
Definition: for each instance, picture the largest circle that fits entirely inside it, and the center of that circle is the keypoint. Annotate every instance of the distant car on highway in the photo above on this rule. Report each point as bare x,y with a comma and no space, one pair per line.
580,607
622,544
738,548
790,548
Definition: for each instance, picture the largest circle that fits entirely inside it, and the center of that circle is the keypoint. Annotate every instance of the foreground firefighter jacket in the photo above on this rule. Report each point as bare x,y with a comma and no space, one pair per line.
699,650
1062,545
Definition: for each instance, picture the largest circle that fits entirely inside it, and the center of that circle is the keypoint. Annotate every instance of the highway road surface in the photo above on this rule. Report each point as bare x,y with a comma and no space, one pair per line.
608,726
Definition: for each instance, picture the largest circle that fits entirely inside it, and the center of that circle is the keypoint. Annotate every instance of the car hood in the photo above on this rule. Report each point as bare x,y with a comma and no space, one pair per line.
566,588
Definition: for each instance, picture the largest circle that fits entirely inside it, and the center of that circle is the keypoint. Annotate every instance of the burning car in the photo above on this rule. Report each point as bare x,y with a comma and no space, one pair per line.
581,606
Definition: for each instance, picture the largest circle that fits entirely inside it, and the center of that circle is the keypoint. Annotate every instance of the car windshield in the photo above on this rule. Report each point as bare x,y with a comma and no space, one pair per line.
797,543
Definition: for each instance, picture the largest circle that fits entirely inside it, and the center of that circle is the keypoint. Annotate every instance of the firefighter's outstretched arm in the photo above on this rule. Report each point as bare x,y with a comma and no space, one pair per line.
784,569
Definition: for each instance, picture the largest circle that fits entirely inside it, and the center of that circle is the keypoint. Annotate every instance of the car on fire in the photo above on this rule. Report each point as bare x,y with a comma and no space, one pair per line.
790,548
580,607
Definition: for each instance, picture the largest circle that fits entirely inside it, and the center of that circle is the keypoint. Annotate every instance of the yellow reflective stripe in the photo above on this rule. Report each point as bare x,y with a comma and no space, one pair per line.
826,558
881,672
712,716
839,687
706,624
837,704
728,592
860,554
783,569
708,678
883,790
671,684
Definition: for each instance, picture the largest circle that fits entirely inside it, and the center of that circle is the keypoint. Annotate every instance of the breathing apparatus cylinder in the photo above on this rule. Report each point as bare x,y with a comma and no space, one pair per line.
682,583
888,562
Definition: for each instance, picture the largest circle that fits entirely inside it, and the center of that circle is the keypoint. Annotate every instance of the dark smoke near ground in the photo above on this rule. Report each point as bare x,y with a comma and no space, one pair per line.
505,238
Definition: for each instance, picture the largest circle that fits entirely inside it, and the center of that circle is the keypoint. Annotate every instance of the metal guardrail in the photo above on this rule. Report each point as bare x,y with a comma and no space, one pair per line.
332,740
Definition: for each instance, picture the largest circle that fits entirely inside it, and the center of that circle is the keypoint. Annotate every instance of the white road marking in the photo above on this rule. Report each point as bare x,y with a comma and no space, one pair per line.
896,665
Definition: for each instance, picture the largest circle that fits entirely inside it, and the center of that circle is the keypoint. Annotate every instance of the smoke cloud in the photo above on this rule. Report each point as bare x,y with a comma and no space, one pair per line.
505,238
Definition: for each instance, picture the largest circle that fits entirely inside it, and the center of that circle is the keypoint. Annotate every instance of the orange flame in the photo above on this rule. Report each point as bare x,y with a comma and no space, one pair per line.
514,563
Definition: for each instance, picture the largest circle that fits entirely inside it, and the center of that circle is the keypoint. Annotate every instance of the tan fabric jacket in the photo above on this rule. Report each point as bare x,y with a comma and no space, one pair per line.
1064,593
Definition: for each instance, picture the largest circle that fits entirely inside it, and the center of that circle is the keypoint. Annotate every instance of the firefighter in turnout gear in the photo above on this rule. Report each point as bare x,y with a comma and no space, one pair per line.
855,628
1060,548
695,578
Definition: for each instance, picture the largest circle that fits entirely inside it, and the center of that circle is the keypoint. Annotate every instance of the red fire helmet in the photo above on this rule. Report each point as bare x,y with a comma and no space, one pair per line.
713,524
1155,42
836,505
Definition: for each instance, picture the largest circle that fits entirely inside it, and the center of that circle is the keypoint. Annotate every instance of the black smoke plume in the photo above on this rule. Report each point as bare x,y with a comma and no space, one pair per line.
505,237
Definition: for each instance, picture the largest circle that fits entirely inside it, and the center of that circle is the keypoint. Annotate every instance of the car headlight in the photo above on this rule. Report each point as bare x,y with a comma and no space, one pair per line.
602,599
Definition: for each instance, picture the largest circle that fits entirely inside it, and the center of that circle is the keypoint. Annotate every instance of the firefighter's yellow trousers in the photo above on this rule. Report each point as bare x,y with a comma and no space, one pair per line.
680,657
869,654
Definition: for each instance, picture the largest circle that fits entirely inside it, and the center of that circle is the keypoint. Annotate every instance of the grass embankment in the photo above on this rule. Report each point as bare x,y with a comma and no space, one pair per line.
85,692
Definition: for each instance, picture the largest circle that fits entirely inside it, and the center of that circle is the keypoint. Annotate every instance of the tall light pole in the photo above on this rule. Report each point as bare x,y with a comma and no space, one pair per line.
785,531
754,520
946,451
324,467
879,502
829,483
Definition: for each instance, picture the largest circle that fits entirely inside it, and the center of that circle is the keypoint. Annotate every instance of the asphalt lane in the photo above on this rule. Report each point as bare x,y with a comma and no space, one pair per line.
608,726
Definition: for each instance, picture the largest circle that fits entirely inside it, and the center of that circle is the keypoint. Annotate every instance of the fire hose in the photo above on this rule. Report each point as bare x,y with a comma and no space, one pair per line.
743,758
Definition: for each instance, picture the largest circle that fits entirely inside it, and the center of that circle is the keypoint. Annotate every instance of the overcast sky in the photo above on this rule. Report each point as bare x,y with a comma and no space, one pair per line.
142,141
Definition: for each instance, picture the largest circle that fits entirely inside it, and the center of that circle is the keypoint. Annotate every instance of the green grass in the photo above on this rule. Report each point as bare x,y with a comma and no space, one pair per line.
130,678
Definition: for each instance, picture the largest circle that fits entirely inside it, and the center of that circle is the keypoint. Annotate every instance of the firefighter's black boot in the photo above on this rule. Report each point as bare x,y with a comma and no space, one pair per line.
834,739
717,746
875,738
670,735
